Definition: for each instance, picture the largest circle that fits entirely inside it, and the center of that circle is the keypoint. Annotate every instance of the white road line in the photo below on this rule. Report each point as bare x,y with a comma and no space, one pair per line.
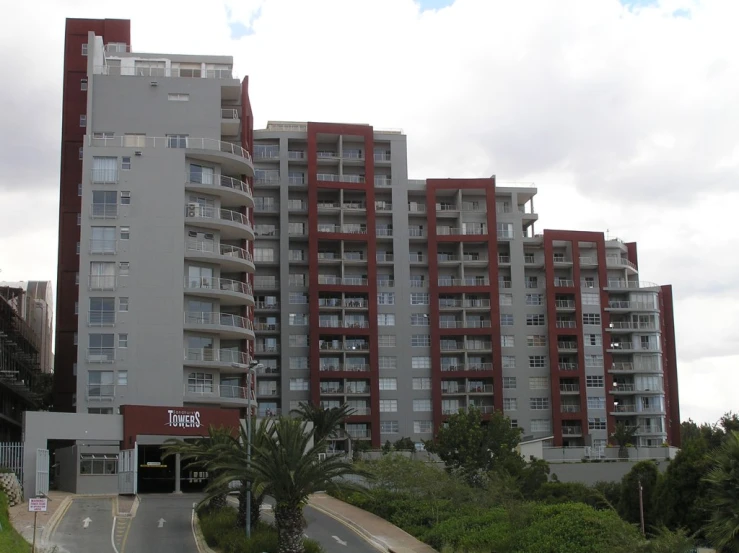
112,536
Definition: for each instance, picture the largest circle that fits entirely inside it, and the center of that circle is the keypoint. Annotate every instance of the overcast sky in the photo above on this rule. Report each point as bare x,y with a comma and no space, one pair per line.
624,113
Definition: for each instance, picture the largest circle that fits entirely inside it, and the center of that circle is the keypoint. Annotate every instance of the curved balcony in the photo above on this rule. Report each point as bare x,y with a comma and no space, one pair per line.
233,191
231,157
621,284
225,360
219,395
231,224
225,324
615,261
229,292
230,258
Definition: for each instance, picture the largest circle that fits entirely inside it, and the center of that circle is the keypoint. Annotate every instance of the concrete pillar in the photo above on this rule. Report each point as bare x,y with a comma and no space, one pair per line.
177,473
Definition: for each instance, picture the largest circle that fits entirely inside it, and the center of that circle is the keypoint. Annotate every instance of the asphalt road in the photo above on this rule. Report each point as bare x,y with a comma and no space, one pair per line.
330,533
72,536
163,524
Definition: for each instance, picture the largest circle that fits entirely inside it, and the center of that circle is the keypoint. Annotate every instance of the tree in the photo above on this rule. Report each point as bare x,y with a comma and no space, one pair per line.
326,422
286,464
471,446
723,495
644,474
623,435
404,444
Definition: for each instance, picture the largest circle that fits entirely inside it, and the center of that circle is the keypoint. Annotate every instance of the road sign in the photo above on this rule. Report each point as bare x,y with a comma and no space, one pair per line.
37,505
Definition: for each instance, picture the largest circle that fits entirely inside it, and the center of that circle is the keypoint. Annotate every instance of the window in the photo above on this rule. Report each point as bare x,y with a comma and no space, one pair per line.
176,141
124,268
533,299
532,282
422,383
505,230
103,204
298,298
103,240
105,170
534,319
125,233
264,254
385,319
514,423
510,404
596,402
77,248
100,384
178,97
298,319
200,383
81,153
419,319
76,308
98,463
99,410
83,84
419,298
422,427
299,384
507,341
388,362
84,49
538,403
509,382
537,361
388,405
101,348
541,425
298,363
588,298
75,338
123,340
591,318
593,340
420,341
594,381
122,378
388,384
421,405
505,299
77,278
596,424
386,341
298,341
588,282
509,362
389,427
506,319
125,163
538,383
79,190
79,219
536,340
594,361
102,312
83,121
420,362
386,298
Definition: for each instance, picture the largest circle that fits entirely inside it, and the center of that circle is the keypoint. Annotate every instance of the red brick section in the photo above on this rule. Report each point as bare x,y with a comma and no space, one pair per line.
554,333
669,366
139,420
365,131
74,104
631,253
492,333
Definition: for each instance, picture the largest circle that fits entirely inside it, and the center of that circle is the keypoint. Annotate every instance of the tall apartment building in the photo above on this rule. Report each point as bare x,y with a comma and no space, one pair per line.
412,299
155,300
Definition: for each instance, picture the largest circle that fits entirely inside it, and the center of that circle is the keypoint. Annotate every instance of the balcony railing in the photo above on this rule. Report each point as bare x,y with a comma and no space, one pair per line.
177,141
107,247
226,250
216,318
567,346
102,282
624,388
636,306
118,70
384,257
266,327
564,304
101,391
359,433
208,212
564,283
383,232
101,318
267,348
218,284
349,367
267,305
479,389
208,355
468,367
416,232
202,179
617,261
571,430
566,324
567,366
230,113
382,181
632,325
471,304
100,355
630,284
569,387
569,408
470,281
346,281
103,211
266,282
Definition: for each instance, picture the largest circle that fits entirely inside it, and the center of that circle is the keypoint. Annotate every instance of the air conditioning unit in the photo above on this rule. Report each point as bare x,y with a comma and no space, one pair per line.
193,209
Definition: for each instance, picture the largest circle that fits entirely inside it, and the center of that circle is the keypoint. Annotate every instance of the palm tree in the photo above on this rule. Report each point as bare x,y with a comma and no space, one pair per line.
326,422
201,453
623,435
287,466
723,495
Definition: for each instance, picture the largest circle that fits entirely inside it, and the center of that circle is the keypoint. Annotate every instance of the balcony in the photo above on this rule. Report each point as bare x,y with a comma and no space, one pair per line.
479,389
475,367
231,157
354,206
267,392
101,355
231,224
359,434
584,260
618,305
220,395
565,408
225,324
631,347
566,324
620,284
564,305
331,177
230,258
338,323
569,388
629,326
563,283
267,305
470,281
296,155
383,232
357,390
567,366
270,349
332,390
266,327
103,247
266,207
225,360
464,324
464,231
623,388
266,152
228,291
502,259
381,156
382,181
384,258
230,122
572,431
476,304
233,190
100,392
341,367
566,346
614,261
104,211
416,232
101,318
344,281
102,282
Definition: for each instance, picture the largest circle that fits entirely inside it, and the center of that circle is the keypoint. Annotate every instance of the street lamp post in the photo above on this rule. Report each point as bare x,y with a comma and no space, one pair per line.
251,378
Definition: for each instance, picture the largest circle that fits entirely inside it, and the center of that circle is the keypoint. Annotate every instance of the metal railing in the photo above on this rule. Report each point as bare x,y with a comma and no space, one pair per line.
266,327
569,408
102,282
209,355
632,325
566,324
571,430
382,181
338,367
295,154
208,212
101,318
567,366
347,281
630,284
218,284
588,260
569,387
567,346
416,232
101,391
480,389
564,283
108,247
117,70
470,281
216,318
224,181
229,113
564,304
226,250
104,211
470,303
619,262
175,141
384,257
354,205
264,348
100,355
469,367
267,304
267,152
624,388
381,156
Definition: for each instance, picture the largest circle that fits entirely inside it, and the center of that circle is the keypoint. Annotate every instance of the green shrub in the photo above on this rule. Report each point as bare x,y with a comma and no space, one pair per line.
312,546
10,540
6,470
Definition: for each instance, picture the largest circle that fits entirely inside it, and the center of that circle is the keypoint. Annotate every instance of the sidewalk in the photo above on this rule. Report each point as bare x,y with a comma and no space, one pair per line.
22,520
373,528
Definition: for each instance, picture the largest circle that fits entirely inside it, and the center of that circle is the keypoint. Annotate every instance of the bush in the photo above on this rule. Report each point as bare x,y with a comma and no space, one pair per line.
10,540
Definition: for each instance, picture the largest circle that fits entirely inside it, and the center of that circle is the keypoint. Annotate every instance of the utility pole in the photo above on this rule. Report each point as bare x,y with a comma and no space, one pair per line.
641,507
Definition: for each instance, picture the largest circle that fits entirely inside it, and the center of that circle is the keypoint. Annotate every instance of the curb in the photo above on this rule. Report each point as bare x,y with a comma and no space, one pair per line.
197,533
50,527
361,531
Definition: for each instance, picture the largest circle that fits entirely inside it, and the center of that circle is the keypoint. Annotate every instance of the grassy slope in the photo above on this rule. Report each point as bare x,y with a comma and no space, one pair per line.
10,540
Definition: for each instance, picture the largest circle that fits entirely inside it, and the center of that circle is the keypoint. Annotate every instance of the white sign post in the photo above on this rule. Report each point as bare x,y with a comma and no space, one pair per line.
36,505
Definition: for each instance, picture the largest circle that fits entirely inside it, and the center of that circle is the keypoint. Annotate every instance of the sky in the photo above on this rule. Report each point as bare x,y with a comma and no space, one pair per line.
624,114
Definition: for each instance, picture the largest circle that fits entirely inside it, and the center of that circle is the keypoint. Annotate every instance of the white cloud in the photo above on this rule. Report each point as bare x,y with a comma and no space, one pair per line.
624,118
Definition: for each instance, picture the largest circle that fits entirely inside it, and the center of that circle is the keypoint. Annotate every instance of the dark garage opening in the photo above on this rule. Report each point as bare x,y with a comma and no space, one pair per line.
157,475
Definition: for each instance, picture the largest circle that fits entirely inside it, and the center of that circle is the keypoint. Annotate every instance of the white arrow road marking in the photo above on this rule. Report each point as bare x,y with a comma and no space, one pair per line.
86,522
339,541
161,522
